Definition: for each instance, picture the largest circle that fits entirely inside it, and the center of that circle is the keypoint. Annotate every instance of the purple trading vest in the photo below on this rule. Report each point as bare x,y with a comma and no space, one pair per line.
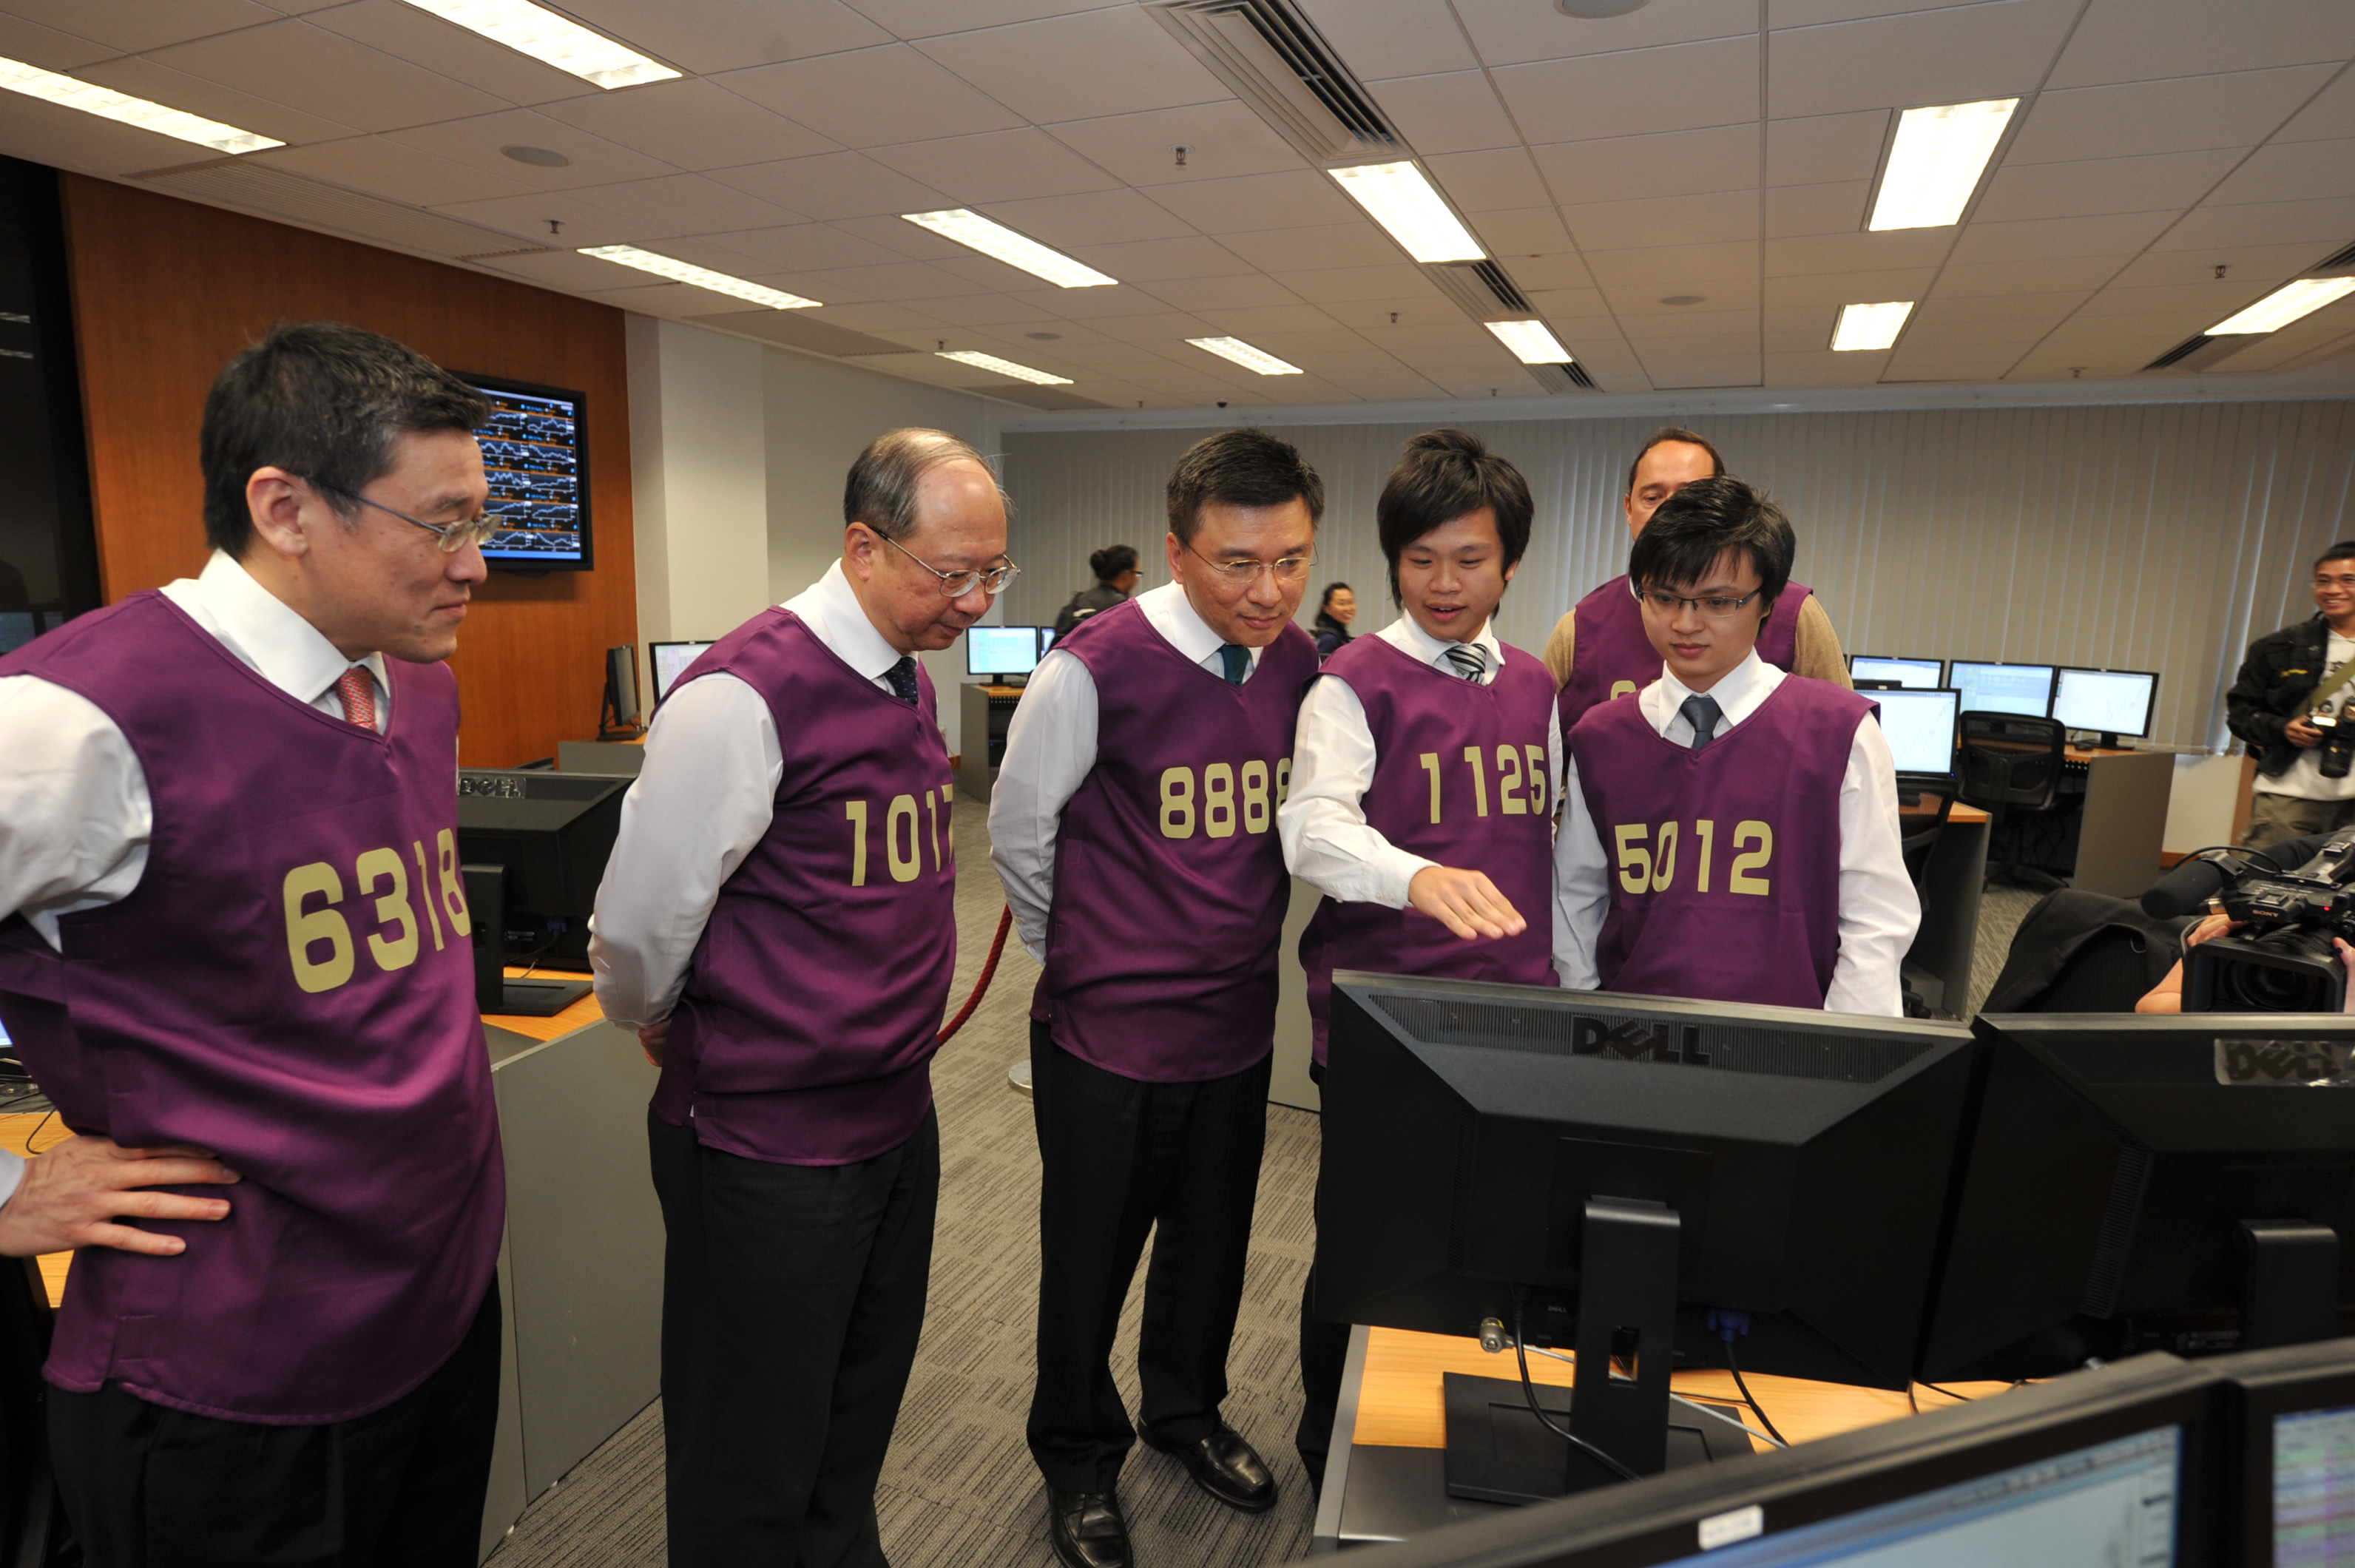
290,985
805,1032
1609,655
1169,881
1459,778
1724,861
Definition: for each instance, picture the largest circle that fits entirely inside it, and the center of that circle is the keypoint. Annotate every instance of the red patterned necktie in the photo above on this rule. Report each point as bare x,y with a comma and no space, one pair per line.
355,690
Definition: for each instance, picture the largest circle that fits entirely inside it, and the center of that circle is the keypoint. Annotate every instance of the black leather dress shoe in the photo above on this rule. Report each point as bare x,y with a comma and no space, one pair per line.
1227,1468
1088,1529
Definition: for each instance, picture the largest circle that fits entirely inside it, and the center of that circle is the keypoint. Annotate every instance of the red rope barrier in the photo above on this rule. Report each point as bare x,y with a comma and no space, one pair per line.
989,970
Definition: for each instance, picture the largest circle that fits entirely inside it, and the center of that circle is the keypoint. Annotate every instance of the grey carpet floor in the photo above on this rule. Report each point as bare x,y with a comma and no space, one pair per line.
959,1488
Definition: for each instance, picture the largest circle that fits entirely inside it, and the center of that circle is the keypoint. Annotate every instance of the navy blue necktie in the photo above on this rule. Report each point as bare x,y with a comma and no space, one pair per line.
1703,713
902,676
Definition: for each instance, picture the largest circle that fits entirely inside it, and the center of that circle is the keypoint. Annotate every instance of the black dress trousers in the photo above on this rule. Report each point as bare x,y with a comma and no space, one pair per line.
149,1487
792,1300
1121,1158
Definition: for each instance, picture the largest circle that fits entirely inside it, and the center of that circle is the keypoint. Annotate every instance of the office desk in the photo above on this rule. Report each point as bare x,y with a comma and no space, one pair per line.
983,714
1386,1479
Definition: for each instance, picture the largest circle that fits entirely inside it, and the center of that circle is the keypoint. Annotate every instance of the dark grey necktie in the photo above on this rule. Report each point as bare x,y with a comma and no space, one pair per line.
1236,659
1703,713
1470,662
902,676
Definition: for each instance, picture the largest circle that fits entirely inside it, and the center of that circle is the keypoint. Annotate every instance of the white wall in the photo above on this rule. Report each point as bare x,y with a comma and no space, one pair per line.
738,453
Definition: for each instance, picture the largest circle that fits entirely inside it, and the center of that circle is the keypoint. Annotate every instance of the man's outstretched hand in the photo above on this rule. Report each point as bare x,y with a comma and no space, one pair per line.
1466,902
72,1195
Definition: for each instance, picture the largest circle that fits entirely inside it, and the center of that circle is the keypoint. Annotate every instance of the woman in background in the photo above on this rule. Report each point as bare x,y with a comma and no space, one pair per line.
1334,613
1116,570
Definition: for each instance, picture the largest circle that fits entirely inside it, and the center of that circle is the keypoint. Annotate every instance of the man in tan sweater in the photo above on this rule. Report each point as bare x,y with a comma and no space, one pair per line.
1599,650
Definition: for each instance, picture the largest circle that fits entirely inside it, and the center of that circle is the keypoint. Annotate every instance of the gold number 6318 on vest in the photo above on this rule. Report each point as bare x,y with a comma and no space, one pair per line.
381,877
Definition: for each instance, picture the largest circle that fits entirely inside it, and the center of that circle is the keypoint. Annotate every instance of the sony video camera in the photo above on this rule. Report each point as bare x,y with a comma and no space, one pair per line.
2281,959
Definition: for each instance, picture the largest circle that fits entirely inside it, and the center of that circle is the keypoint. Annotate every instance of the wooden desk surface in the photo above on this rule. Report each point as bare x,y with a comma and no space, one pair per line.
1402,1404
1958,812
579,1015
28,1133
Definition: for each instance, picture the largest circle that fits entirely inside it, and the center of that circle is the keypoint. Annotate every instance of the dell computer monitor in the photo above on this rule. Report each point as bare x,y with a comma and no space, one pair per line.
1920,727
2290,1461
1469,1126
1905,672
551,833
2112,702
2004,688
1001,650
2147,1182
670,662
536,456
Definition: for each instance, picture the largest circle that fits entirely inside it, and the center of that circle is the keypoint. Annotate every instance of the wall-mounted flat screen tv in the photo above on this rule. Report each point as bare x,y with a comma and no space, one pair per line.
535,454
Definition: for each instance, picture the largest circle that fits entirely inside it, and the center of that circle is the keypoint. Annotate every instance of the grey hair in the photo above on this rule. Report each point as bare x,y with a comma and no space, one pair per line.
881,489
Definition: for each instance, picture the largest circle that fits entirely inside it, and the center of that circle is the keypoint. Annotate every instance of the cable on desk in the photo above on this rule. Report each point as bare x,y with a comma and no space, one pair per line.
1530,1391
1747,1397
1950,1394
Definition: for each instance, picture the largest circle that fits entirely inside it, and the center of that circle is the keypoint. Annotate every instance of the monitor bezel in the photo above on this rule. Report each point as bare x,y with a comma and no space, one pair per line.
1953,738
2150,705
1900,659
1036,654
654,664
580,401
2291,1380
2052,679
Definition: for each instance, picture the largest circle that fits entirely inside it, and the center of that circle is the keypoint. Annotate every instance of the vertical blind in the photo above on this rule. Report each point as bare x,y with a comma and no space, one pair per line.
2142,537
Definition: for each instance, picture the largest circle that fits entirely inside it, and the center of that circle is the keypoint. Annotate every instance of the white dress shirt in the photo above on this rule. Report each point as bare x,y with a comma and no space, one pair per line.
1051,749
75,813
702,802
1327,842
1878,909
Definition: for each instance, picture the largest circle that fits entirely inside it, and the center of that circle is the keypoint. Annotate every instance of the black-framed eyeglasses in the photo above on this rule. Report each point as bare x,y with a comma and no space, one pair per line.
1713,607
452,537
991,580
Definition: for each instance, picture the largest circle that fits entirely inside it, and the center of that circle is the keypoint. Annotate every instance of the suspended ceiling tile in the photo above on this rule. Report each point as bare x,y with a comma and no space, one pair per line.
2049,305
804,247
1245,320
424,39
1823,368
1782,14
922,18
2117,236
986,310
1796,340
1508,32
1253,202
1669,372
1221,141
1550,273
144,78
1821,148
1078,67
1100,217
1094,306
1957,363
67,138
1680,88
1675,163
1692,321
1960,279
1422,322
566,269
1677,265
319,72
2208,301
1358,244
2328,224
1500,180
997,165
1203,295
898,282
872,98
897,235
725,35
885,319
687,204
1649,294
132,26
1852,288
2139,40
1378,39
2301,170
1454,112
715,253
581,222
692,123
2013,338
1958,55
1665,220
1796,210
477,142
1144,261
2188,114
2169,182
386,168
1531,232
1329,286
834,185
2156,269
1858,252
1155,324
2328,117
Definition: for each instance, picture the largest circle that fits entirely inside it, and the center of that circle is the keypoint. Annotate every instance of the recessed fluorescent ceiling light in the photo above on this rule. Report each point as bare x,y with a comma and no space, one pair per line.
702,277
1244,355
1530,342
74,93
1869,325
1006,367
1937,162
1401,199
555,40
2283,305
974,231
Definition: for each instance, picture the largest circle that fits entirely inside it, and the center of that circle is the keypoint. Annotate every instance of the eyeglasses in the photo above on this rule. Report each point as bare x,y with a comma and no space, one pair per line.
1714,607
1242,574
452,537
957,584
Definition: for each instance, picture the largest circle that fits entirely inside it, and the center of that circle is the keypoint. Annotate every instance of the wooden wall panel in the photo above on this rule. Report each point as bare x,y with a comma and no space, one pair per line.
165,291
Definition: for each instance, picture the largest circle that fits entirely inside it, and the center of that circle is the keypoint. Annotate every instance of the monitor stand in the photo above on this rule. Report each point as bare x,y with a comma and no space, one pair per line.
1620,1402
494,992
2289,1283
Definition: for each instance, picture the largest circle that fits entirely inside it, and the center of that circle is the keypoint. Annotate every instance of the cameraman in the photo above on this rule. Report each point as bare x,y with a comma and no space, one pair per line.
2287,855
2292,690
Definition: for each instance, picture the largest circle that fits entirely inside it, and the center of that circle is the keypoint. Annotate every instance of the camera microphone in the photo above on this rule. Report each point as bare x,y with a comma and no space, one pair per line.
2183,890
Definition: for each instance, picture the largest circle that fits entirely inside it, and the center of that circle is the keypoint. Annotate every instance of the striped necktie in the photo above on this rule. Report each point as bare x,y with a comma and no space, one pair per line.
1470,660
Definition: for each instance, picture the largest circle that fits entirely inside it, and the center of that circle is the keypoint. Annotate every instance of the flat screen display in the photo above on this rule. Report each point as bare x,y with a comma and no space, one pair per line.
1001,650
537,459
2113,701
670,661
1920,727
2314,1489
1905,672
2005,687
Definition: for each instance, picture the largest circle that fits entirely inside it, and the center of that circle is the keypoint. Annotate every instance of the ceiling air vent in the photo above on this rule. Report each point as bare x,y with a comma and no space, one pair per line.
1560,379
2199,351
1510,297
1275,61
2337,262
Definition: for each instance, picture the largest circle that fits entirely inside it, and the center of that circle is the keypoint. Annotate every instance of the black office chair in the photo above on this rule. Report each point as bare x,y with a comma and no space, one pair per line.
33,1532
1923,806
2011,762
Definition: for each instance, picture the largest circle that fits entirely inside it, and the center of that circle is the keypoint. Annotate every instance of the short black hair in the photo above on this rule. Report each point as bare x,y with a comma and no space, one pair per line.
880,489
2343,550
1447,474
1240,468
324,400
1703,520
1112,560
1669,432
1331,589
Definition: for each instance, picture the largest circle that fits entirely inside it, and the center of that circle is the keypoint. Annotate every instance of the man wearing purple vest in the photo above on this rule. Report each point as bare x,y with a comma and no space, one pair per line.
778,922
1600,651
1421,801
1730,834
232,926
1133,825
